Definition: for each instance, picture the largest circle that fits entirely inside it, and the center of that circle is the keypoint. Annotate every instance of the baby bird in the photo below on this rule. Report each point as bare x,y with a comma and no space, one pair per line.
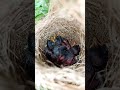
62,41
65,56
49,54
60,52
69,58
58,40
50,44
70,55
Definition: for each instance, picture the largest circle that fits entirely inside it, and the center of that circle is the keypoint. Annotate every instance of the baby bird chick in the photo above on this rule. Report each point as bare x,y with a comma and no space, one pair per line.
60,51
58,40
62,41
69,58
66,57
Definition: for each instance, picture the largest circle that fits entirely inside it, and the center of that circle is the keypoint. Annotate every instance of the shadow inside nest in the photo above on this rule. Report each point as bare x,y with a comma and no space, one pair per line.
28,63
96,61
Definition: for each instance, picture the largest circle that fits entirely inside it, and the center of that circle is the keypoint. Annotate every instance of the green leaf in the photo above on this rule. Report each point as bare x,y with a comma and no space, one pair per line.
41,8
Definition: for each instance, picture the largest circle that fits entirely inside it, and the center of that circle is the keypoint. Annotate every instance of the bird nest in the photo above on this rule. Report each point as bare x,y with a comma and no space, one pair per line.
49,76
14,33
105,28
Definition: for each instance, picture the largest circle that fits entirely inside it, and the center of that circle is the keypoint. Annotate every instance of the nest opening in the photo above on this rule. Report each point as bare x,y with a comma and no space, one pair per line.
60,27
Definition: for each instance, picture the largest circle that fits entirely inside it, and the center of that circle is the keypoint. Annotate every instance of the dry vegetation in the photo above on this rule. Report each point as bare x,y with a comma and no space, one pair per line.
13,38
107,32
65,19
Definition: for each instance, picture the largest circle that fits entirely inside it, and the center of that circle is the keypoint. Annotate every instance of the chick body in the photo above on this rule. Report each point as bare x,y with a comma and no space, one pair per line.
60,51
75,49
62,41
50,44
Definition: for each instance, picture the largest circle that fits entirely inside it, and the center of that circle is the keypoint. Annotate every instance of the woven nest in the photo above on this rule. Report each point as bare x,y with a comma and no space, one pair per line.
14,31
52,77
105,30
